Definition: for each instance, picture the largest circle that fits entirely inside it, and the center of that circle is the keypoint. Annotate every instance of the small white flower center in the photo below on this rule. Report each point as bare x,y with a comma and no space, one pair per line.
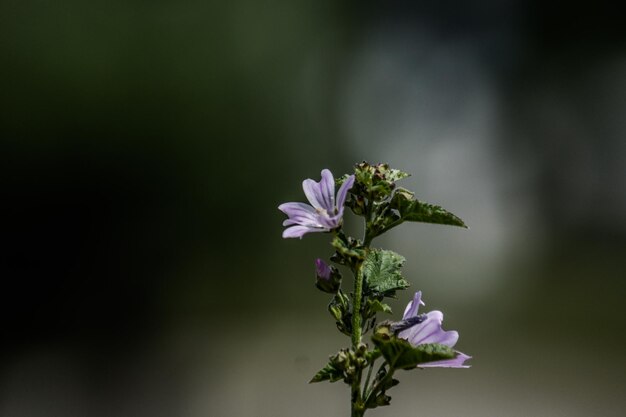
322,211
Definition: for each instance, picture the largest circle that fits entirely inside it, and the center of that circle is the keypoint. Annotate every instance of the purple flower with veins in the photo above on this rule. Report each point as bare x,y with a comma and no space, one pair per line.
323,214
428,330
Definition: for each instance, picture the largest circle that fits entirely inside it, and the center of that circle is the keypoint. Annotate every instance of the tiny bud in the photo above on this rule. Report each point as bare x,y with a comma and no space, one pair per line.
322,269
335,311
383,330
328,278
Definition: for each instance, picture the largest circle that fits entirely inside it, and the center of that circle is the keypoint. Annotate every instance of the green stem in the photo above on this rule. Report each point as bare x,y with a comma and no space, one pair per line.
358,406
392,225
380,383
367,379
357,412
356,310
357,403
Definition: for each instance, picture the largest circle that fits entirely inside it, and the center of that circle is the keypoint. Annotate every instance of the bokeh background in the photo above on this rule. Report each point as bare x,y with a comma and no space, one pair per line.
147,144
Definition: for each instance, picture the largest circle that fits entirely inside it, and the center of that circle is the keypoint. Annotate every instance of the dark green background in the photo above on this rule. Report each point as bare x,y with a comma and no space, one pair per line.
147,144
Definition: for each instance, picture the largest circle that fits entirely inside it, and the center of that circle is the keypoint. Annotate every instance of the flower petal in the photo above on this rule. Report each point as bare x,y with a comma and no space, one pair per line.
299,231
413,306
313,193
430,331
302,221
300,213
343,193
293,209
449,363
327,188
329,222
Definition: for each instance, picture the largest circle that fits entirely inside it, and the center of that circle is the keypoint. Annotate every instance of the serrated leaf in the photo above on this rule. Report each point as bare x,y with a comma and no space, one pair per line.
429,213
327,373
381,271
411,210
395,174
400,354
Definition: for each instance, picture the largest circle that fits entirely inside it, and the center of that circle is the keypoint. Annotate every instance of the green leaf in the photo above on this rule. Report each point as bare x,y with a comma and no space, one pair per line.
400,354
381,271
328,373
394,175
412,210
375,306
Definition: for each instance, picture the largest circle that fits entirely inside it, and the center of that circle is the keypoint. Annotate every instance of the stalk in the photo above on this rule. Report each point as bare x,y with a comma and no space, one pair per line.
356,311
358,406
357,409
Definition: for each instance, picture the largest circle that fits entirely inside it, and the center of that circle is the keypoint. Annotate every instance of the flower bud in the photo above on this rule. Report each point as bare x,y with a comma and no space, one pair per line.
328,278
335,311
322,269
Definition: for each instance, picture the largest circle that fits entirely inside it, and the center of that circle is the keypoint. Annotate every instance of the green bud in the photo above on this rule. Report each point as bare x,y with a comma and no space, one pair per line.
335,311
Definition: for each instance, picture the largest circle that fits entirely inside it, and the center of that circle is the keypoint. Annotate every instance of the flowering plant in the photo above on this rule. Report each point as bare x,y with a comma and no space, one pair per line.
416,341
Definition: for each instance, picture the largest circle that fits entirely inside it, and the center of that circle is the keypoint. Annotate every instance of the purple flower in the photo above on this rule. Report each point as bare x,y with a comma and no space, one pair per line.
429,330
324,214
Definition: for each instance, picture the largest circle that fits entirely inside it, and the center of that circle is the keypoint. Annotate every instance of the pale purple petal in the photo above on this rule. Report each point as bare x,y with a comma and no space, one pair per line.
303,221
300,213
343,193
329,222
292,209
413,306
430,331
299,231
313,193
443,337
448,363
306,220
327,188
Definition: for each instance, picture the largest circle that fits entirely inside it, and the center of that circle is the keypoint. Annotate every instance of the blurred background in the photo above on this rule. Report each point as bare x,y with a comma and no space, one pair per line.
146,146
